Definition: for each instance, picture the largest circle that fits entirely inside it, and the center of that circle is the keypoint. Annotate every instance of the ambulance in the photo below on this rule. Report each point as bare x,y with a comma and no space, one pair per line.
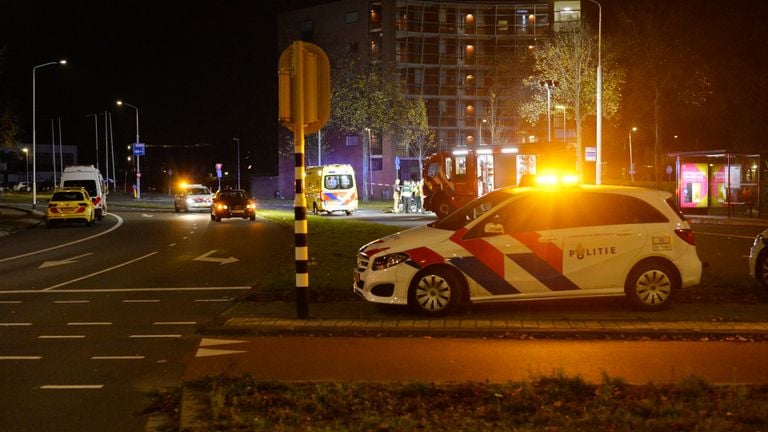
536,243
88,177
331,188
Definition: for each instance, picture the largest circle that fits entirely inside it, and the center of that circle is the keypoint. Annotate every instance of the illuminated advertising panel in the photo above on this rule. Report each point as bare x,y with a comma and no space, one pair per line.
693,190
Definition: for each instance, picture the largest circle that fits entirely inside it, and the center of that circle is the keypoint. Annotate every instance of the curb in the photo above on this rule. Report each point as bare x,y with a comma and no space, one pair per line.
512,329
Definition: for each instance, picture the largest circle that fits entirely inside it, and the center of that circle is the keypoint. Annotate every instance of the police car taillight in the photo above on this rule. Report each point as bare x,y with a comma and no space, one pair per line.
687,235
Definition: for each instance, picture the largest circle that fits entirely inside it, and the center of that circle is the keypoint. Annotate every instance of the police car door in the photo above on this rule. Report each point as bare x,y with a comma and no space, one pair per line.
515,251
601,241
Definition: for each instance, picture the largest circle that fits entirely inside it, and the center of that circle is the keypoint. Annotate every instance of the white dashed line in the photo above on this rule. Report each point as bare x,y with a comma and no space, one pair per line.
71,301
141,301
14,324
10,302
213,300
20,357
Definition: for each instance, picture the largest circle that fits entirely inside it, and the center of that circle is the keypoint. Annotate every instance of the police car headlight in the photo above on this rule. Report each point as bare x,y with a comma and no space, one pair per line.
387,261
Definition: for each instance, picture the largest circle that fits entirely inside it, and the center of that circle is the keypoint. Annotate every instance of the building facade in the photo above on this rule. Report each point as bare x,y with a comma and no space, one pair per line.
464,59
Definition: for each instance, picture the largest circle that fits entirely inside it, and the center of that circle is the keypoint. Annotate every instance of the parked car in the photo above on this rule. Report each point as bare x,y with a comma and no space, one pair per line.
70,205
193,197
758,259
233,203
526,243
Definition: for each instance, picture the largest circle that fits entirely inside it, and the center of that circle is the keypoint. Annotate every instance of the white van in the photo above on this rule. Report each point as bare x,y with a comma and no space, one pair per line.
331,188
88,177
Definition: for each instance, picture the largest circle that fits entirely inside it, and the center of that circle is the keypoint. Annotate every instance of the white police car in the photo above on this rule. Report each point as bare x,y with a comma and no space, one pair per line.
526,243
758,259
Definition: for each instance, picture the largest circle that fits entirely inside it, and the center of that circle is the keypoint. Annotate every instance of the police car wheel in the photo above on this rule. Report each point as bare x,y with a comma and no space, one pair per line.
761,268
650,285
434,293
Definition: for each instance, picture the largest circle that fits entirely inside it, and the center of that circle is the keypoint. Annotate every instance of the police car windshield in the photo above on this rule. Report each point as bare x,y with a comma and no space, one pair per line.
472,210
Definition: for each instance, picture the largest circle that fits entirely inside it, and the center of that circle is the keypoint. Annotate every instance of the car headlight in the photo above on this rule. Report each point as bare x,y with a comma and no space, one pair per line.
389,260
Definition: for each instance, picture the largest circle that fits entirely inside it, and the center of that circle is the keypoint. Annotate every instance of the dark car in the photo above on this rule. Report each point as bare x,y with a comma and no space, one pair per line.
233,203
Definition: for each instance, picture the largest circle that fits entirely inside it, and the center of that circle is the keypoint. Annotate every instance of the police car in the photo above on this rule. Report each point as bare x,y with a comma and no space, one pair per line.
526,243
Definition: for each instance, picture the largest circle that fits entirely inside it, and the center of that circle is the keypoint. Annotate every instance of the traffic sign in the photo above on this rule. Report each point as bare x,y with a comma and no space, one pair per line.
304,74
138,149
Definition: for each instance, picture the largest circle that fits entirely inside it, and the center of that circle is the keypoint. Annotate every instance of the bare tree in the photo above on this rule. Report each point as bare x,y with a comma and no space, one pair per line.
570,58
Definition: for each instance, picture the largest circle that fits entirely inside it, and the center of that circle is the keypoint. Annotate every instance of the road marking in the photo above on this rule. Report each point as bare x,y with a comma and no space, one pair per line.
21,357
207,258
14,324
61,337
104,323
119,290
71,301
119,222
175,323
205,352
72,387
100,271
147,215
135,357
148,336
141,301
213,300
213,342
10,302
72,260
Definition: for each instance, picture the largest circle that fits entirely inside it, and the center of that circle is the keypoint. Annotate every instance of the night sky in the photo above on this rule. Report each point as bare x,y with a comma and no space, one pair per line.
200,74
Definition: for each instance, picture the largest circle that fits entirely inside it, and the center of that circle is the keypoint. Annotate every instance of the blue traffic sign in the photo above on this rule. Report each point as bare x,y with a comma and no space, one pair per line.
138,149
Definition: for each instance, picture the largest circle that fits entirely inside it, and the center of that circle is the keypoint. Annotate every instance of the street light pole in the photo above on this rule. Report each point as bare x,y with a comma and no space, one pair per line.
631,159
26,153
34,129
138,158
238,161
599,96
549,84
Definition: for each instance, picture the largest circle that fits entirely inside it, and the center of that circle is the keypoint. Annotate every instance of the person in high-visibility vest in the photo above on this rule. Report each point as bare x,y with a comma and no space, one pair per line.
406,192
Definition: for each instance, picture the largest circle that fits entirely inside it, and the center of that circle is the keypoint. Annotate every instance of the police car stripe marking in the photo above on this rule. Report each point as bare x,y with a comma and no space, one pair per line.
476,269
547,251
422,256
543,272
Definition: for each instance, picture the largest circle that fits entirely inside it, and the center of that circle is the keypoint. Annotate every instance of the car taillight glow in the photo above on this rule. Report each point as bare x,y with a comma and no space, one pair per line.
687,235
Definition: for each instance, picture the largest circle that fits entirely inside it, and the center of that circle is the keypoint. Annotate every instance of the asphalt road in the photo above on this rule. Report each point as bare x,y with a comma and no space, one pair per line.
92,319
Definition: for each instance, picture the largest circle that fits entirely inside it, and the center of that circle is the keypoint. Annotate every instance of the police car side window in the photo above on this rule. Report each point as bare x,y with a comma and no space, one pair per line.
615,209
532,212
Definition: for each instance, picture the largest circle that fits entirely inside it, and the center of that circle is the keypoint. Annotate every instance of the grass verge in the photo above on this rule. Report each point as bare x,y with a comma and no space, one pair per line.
333,244
549,403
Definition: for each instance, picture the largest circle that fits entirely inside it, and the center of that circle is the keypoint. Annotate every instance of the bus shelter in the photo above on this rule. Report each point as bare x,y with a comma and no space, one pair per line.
718,183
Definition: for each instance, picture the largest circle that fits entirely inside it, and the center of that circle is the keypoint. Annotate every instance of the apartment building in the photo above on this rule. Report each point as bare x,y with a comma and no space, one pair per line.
465,59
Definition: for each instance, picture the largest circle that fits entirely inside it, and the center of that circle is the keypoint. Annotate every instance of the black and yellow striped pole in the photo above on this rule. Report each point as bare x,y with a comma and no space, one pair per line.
305,106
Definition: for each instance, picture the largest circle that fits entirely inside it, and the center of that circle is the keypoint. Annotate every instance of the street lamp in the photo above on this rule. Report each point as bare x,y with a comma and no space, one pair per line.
138,158
599,96
26,153
549,85
565,131
238,161
631,160
480,131
34,129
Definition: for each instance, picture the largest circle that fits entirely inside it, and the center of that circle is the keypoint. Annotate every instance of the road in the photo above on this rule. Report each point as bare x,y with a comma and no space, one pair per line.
92,319
462,359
